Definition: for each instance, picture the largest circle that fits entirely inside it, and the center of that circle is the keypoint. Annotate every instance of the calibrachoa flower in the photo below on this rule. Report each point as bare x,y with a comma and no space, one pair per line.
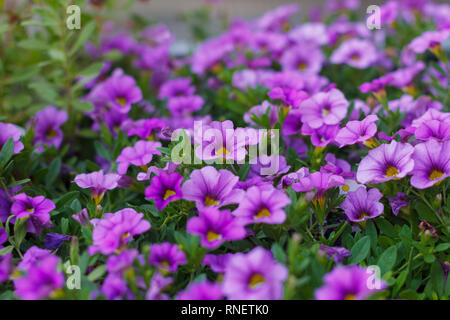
215,227
6,267
324,108
431,163
166,256
144,128
33,257
7,131
36,209
336,253
157,285
182,106
55,240
47,123
164,188
98,183
176,88
357,132
217,262
348,283
41,280
115,230
433,129
6,202
386,162
356,53
211,188
400,201
254,276
263,204
307,59
205,290
140,155
361,204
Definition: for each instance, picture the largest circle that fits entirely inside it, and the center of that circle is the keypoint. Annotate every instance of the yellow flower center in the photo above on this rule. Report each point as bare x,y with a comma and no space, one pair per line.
355,57
210,201
302,66
345,188
262,213
212,236
51,134
168,194
256,280
325,112
126,235
165,264
122,101
350,297
435,174
222,151
30,210
392,171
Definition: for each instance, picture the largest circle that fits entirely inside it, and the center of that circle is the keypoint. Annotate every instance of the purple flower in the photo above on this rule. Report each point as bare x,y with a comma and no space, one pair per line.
304,58
183,106
98,182
293,122
324,108
255,275
6,202
322,136
386,162
115,230
205,290
7,131
82,217
348,283
361,205
140,154
114,287
36,209
33,257
53,241
210,53
263,204
144,128
166,256
120,92
270,167
357,131
164,188
261,110
157,285
293,177
433,129
217,262
211,188
47,124
356,53
336,253
215,227
400,201
431,163
123,261
428,40
3,237
176,88
289,97
6,267
278,18
41,280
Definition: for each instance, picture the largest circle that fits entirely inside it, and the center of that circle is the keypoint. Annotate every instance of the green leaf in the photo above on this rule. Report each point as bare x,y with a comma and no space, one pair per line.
7,152
387,259
53,172
92,71
102,151
66,198
278,253
20,230
437,278
83,106
6,250
371,231
425,213
442,247
86,32
97,273
360,250
33,44
386,227
57,55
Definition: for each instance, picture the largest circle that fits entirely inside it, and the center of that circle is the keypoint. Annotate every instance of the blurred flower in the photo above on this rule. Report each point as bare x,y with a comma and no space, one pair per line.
36,209
398,202
166,256
336,253
140,154
205,290
356,53
55,240
47,124
7,131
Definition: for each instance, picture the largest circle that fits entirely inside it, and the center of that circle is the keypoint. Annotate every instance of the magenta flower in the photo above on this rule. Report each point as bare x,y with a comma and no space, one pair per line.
47,123
322,136
40,280
166,256
433,129
6,202
53,241
361,205
263,204
32,258
324,108
336,253
215,227
6,267
211,188
289,97
255,275
164,188
183,106
278,18
36,209
428,40
348,283
98,182
3,237
7,131
357,131
386,162
144,128
217,262
356,53
157,285
176,88
120,92
398,202
115,230
431,163
140,154
293,122
259,111
304,58
205,290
